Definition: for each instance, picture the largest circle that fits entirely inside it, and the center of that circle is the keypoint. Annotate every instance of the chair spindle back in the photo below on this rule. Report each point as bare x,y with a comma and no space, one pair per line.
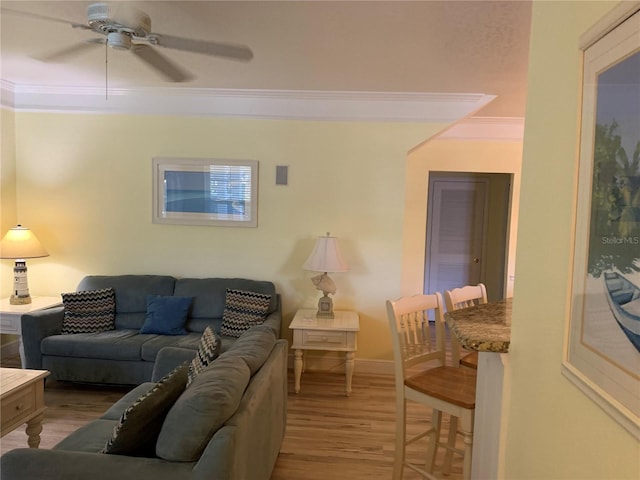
413,339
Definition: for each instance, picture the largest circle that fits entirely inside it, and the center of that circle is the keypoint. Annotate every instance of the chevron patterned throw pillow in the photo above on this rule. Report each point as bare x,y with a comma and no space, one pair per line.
207,352
243,310
89,311
137,430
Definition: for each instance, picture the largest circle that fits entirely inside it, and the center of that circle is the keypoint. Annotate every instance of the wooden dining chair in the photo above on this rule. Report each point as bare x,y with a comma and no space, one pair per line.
422,376
464,297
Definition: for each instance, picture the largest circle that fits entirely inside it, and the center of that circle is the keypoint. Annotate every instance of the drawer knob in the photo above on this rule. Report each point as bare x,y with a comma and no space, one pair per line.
19,406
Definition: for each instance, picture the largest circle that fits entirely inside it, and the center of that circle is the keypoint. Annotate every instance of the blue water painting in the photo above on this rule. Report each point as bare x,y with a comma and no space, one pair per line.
196,201
222,193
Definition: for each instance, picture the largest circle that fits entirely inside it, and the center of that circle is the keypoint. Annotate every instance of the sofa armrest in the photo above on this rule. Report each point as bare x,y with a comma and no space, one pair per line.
42,464
36,326
247,445
169,358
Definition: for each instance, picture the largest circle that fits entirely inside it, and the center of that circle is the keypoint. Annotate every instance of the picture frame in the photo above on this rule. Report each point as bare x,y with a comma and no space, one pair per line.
205,191
602,340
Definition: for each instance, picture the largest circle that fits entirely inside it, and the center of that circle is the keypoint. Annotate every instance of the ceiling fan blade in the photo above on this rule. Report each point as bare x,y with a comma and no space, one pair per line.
160,63
228,50
43,17
63,54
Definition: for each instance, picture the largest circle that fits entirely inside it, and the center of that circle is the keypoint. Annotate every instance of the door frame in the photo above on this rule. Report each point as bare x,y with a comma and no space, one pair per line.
439,155
432,220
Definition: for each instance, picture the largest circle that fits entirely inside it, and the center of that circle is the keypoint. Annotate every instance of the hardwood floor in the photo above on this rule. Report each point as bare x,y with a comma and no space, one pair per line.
328,434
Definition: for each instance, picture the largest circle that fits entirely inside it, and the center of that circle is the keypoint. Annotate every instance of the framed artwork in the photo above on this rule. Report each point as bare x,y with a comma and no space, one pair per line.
602,344
198,191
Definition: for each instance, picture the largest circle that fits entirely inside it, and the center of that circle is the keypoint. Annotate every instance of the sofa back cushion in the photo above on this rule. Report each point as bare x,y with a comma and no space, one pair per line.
211,399
209,297
253,347
131,294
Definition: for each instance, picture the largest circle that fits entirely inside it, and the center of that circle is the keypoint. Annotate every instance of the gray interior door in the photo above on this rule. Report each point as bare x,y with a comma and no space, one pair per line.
456,231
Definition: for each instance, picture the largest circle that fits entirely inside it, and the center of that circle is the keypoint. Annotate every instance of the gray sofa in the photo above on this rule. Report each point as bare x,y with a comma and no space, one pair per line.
247,383
124,356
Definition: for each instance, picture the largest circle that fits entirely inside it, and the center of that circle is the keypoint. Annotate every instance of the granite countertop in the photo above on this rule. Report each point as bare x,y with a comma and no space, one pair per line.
484,328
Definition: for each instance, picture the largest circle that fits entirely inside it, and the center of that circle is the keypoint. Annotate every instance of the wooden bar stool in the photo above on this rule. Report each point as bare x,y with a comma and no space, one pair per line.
422,376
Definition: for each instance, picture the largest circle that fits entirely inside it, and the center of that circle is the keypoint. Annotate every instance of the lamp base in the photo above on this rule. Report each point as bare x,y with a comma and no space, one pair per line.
325,307
20,285
19,300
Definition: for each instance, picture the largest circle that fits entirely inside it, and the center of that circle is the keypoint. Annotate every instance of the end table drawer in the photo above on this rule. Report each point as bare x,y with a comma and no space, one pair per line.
324,337
18,406
10,324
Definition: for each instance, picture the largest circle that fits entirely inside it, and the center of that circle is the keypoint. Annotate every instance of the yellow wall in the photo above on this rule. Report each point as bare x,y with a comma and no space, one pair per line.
7,175
7,200
554,431
84,187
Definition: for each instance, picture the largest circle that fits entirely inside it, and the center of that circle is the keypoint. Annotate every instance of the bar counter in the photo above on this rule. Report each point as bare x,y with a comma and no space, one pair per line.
484,328
487,329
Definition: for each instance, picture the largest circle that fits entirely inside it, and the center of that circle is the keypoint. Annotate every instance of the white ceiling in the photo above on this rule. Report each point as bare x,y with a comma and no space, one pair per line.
437,47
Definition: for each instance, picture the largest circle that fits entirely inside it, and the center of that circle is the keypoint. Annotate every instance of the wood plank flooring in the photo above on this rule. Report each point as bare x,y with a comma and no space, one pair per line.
329,435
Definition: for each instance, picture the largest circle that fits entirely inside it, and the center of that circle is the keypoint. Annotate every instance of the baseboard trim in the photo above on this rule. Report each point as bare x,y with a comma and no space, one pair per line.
382,367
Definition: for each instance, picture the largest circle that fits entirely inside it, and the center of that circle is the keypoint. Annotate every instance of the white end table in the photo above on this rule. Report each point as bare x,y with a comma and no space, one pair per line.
11,315
337,334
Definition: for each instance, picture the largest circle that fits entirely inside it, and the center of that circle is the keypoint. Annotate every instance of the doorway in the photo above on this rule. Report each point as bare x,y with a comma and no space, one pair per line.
467,231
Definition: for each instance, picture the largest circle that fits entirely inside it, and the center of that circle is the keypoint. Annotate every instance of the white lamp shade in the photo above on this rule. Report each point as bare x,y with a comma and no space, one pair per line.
20,242
326,256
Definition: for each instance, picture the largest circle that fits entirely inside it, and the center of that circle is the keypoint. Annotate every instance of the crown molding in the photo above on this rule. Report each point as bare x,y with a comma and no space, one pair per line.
271,104
7,97
485,128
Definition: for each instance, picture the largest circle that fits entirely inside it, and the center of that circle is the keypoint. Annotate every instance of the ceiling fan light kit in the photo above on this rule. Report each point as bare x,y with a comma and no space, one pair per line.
119,41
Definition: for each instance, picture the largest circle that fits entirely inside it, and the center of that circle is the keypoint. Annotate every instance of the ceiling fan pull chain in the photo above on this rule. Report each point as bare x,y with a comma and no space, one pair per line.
106,71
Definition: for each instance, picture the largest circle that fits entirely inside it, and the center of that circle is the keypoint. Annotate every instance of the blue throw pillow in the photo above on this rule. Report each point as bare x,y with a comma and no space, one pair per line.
166,315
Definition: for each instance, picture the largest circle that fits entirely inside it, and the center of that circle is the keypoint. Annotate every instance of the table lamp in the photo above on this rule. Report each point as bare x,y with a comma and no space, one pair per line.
326,257
20,243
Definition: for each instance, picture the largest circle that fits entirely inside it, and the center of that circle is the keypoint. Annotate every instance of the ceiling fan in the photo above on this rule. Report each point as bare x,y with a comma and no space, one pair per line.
127,28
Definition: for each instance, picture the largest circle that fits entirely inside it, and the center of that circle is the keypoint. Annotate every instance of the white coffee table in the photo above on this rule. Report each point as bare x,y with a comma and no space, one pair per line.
22,401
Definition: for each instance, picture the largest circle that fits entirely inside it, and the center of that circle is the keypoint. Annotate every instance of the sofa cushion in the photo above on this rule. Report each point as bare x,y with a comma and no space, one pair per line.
208,351
213,396
136,432
166,315
155,343
111,345
89,311
243,310
253,346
